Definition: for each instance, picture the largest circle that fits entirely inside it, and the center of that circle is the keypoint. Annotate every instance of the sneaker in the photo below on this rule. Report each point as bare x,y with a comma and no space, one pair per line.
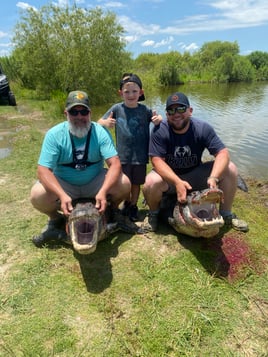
125,224
236,223
150,222
133,213
53,231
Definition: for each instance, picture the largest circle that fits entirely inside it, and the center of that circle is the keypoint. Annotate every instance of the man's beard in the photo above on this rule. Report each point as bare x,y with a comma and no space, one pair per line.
78,131
179,126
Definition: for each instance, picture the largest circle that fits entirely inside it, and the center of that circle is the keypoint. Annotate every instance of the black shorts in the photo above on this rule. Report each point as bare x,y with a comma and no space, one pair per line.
135,173
197,178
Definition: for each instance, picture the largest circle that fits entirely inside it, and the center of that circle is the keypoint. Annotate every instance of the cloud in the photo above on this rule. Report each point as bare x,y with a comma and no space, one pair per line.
62,3
225,15
229,15
130,39
164,42
5,45
152,43
246,12
25,6
3,34
113,4
189,48
148,43
137,28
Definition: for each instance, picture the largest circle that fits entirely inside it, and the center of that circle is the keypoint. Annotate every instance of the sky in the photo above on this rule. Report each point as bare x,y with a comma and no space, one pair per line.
160,26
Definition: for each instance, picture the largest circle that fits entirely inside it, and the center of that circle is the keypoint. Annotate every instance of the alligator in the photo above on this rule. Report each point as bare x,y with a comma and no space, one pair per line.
199,216
86,227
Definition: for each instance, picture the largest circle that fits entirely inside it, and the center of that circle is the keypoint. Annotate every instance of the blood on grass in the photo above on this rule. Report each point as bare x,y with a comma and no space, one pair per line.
236,258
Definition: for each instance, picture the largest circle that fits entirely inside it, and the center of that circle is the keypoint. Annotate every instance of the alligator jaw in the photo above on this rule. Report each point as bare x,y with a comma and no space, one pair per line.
203,215
84,234
200,216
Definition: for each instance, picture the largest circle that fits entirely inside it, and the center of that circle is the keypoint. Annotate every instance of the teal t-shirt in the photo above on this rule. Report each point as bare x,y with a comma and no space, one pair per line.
57,150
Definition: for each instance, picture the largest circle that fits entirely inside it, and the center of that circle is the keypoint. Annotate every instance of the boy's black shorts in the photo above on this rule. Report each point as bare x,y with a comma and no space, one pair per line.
135,173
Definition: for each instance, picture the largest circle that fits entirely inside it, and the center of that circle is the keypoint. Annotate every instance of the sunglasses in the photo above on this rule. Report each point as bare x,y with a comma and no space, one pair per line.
75,112
181,109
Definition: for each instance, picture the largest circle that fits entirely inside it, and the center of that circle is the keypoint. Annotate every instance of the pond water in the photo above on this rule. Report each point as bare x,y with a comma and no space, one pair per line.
239,114
5,133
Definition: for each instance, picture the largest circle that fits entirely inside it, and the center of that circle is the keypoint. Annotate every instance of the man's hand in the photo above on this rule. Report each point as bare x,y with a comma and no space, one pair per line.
66,205
181,189
212,182
101,202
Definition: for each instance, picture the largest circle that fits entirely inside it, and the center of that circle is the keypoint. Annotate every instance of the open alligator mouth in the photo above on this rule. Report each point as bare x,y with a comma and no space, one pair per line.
199,217
86,227
83,230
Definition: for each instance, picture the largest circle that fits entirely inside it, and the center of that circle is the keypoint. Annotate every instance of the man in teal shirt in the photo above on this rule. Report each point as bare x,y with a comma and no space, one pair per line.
71,166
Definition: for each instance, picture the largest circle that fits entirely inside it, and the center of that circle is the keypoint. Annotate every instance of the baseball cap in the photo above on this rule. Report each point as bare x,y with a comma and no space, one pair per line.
177,98
130,77
77,97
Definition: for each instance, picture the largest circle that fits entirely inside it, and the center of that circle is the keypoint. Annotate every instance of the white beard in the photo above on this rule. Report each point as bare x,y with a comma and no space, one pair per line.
77,131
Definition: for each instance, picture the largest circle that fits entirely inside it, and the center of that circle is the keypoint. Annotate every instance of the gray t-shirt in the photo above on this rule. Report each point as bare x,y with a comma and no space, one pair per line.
132,132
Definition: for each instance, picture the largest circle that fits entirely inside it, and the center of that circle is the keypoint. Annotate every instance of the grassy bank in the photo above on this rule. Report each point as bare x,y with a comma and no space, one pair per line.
155,295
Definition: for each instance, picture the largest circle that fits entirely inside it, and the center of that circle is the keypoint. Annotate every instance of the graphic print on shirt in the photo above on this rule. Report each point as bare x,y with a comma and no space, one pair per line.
182,158
182,151
79,152
132,136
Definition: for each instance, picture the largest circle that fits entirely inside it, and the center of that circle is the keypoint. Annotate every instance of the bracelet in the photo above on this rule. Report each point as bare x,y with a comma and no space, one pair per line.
214,178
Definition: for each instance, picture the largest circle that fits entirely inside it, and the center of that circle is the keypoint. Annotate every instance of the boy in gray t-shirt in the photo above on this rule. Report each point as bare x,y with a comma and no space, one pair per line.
131,121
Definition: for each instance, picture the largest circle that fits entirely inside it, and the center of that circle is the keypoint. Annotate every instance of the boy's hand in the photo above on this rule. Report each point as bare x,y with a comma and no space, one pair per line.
156,118
109,122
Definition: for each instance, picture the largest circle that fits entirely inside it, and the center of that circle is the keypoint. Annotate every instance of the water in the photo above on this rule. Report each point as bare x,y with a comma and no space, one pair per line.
5,133
238,113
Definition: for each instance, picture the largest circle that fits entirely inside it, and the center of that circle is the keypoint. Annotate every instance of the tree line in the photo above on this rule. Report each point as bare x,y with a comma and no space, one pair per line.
60,49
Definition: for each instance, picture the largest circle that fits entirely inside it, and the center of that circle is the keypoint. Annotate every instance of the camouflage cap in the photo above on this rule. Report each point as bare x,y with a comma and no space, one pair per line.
77,97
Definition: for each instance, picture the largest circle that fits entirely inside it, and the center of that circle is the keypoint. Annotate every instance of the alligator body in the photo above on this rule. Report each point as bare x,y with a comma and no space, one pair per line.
199,217
86,227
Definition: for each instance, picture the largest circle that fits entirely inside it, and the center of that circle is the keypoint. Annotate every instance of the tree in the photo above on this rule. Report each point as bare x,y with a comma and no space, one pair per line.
242,70
259,61
233,69
146,61
170,68
211,51
70,48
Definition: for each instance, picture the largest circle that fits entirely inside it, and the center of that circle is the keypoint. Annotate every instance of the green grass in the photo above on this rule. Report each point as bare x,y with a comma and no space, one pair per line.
155,295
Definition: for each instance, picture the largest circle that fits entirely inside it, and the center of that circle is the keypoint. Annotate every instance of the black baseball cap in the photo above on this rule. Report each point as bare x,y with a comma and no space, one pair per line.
177,98
130,77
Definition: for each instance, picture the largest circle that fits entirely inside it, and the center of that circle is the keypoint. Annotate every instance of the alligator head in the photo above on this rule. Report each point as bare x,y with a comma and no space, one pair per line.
199,217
